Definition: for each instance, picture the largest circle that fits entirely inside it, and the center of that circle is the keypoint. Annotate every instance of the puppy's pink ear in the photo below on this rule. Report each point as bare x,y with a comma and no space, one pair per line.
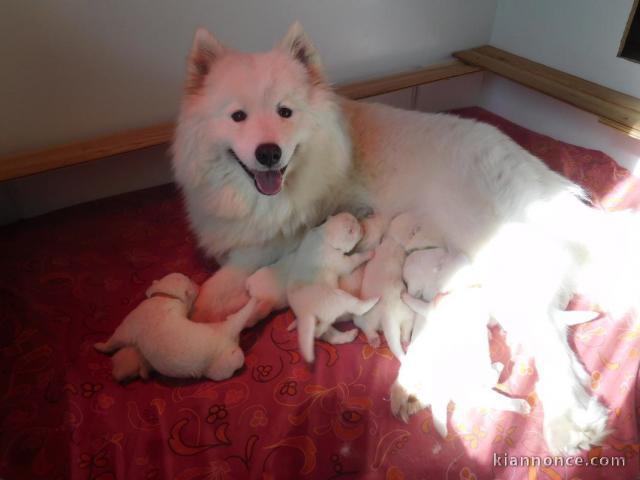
204,52
299,46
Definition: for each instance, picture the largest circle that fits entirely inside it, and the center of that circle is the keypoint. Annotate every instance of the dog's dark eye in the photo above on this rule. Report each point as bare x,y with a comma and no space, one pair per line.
284,112
239,116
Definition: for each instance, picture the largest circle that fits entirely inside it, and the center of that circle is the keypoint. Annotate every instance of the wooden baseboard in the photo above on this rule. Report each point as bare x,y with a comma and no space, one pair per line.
75,153
400,81
33,162
613,108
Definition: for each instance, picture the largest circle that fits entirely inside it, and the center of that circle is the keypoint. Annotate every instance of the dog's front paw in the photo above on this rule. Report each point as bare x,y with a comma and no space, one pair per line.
221,295
576,428
404,402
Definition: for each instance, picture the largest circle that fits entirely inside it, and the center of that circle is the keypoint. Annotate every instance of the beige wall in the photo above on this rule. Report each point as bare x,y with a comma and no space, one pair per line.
75,69
581,37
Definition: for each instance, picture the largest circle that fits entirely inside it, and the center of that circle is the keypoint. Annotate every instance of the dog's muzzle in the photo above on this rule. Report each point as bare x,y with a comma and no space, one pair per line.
267,182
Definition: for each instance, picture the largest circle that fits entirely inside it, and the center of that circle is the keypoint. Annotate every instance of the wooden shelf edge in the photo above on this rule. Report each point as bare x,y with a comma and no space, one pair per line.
400,81
613,108
75,153
29,163
626,129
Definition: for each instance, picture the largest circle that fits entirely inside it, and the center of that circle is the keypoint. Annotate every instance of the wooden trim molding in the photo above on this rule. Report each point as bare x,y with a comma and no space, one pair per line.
613,108
400,81
38,161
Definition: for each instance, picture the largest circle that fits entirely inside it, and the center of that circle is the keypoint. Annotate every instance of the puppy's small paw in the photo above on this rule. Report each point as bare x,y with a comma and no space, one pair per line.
374,341
404,403
350,335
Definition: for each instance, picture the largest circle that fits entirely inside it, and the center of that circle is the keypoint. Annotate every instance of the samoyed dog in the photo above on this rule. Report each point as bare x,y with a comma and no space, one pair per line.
264,150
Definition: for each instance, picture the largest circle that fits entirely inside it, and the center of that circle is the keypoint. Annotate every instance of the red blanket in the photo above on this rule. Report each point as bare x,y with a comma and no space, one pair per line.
69,277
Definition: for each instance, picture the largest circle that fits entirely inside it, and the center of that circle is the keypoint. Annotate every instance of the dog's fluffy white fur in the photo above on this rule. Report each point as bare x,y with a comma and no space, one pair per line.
473,188
312,284
168,342
383,279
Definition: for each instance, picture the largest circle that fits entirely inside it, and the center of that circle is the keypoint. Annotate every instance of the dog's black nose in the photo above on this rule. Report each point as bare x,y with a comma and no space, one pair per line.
268,154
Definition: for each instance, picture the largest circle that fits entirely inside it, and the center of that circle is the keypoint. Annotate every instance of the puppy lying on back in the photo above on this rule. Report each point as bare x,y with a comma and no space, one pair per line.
168,342
312,285
383,279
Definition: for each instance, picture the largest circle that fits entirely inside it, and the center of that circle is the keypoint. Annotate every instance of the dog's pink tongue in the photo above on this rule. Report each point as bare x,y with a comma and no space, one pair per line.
269,182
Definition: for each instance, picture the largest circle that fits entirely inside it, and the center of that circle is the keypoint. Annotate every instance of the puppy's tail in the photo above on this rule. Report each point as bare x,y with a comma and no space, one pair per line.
392,333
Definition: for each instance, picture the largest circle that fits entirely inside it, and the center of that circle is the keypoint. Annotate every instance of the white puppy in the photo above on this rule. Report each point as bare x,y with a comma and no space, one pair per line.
172,344
383,279
312,286
450,361
427,272
267,288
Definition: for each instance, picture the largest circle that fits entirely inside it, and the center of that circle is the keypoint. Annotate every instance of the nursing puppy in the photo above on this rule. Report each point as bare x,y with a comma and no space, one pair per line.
383,280
320,255
308,280
312,283
265,150
427,272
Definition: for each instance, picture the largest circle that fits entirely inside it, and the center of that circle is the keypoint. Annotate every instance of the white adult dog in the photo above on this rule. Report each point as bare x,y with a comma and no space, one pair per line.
264,150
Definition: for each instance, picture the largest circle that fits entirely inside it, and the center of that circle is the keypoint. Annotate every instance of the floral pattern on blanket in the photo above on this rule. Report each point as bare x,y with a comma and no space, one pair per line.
69,277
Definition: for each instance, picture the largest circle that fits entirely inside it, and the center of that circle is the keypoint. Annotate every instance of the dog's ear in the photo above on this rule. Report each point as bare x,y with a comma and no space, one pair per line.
298,44
204,52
